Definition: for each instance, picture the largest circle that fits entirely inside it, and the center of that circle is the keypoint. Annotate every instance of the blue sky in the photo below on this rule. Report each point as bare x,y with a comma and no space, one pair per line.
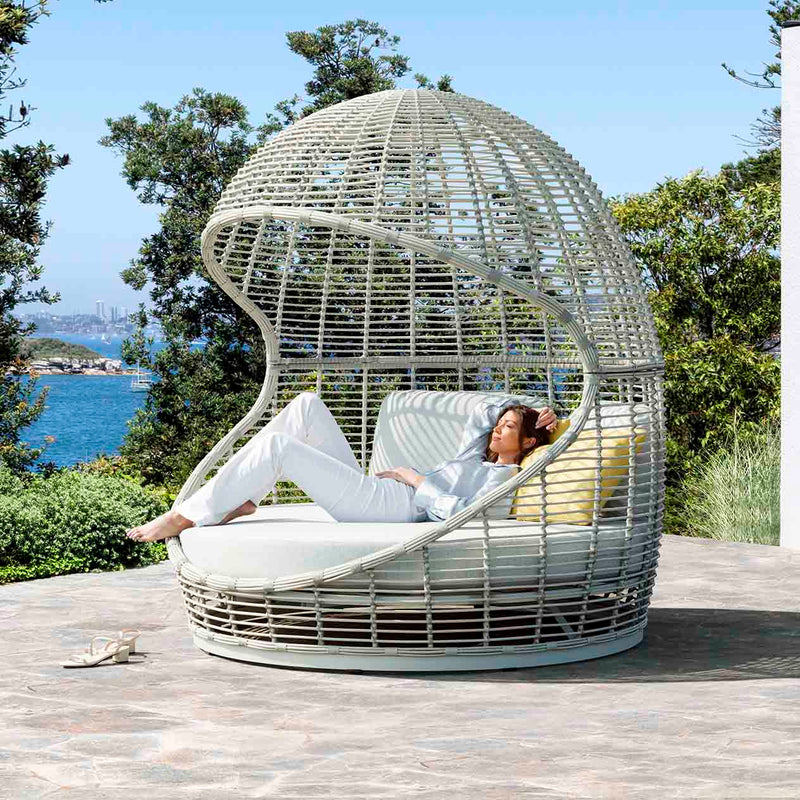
634,91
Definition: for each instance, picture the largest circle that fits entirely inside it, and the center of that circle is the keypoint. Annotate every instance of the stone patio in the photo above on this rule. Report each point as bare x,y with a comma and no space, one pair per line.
707,707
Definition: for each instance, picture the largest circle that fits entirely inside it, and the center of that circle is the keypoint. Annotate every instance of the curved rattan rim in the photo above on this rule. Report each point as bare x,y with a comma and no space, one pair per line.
313,217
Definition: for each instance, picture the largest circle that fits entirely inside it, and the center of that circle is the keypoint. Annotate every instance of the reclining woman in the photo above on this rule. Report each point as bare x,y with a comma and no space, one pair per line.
304,444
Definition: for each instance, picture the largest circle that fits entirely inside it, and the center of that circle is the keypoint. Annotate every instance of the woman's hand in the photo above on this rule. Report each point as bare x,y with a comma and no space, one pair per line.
404,475
547,419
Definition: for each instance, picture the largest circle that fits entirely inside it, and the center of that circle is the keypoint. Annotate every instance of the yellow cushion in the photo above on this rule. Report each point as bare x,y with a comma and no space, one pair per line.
562,426
571,478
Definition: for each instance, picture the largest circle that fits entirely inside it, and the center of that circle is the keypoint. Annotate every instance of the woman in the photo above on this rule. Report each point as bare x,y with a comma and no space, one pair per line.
304,444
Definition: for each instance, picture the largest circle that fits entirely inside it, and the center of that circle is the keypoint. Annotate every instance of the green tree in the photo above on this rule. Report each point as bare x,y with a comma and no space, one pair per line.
765,167
180,159
767,128
24,173
350,59
707,252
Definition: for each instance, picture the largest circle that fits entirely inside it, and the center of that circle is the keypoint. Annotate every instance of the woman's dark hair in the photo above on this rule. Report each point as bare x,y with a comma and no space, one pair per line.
528,418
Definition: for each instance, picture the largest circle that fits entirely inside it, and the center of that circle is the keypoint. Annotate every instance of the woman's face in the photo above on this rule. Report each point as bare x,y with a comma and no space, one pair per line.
505,437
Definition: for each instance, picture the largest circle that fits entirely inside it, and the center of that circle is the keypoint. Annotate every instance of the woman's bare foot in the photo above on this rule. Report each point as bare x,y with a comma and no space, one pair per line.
163,527
248,507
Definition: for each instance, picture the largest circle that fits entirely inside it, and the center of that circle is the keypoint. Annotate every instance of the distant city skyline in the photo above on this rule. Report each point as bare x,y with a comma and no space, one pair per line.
115,312
110,311
113,322
107,312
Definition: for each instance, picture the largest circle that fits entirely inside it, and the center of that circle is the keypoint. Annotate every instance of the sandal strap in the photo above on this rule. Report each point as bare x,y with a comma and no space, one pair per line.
107,639
78,658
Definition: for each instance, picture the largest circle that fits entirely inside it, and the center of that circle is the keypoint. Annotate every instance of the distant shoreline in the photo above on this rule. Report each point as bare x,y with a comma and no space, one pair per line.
93,373
98,372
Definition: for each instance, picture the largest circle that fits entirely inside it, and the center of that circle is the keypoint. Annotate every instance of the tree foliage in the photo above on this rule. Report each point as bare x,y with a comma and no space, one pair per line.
24,173
350,59
180,159
767,128
764,167
707,252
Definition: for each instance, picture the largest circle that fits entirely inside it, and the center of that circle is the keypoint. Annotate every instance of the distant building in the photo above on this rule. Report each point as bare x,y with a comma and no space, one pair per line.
100,308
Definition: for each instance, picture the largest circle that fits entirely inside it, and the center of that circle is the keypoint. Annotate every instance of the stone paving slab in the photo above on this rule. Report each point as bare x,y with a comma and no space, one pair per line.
708,706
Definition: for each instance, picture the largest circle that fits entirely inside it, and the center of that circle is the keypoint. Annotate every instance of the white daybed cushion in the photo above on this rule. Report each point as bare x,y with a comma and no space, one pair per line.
279,541
422,428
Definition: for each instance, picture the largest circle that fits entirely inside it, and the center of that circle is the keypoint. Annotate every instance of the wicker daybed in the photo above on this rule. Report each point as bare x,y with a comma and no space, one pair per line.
407,255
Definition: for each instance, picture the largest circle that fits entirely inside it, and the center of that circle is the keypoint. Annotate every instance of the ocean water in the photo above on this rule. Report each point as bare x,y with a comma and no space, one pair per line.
87,414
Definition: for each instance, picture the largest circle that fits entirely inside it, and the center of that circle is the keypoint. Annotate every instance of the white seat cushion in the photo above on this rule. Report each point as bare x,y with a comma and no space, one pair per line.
283,540
421,428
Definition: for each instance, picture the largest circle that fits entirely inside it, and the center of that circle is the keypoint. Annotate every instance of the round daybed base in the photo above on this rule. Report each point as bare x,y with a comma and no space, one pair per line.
580,597
413,660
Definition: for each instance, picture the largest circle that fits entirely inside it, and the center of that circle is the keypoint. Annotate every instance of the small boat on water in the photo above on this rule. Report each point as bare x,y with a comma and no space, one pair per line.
142,381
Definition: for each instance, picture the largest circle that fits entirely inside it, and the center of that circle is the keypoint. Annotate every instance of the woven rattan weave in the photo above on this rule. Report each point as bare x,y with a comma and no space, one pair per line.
414,239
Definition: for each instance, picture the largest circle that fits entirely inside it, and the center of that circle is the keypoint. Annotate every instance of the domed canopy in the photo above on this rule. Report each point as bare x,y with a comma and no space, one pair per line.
470,178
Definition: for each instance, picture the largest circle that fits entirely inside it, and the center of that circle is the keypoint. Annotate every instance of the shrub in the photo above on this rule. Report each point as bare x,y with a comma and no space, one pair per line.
734,495
122,467
72,522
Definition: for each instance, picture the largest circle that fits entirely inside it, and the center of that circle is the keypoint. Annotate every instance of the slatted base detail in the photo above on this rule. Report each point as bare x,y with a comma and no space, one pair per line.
412,660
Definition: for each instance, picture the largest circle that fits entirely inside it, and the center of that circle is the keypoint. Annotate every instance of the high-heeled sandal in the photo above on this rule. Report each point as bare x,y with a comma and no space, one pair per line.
100,649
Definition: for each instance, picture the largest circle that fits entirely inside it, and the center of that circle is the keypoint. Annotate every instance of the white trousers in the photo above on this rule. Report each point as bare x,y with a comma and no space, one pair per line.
303,444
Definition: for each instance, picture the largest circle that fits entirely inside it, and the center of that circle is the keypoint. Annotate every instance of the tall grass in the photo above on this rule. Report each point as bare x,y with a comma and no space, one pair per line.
734,495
